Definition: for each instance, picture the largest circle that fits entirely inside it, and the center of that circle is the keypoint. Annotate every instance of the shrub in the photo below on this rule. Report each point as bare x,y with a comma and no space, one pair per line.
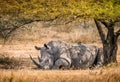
9,63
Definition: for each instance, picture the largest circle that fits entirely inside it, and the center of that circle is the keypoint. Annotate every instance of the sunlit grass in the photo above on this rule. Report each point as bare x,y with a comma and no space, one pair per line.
110,74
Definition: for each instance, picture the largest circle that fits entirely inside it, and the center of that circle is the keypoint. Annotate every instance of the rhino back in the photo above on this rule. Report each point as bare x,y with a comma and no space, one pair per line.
83,55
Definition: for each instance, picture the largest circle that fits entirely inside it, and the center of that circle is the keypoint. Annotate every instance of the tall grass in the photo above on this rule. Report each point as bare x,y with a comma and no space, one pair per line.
99,75
84,35
72,33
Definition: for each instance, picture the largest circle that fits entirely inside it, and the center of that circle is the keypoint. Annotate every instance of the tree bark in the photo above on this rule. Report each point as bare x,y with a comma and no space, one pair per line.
110,47
109,42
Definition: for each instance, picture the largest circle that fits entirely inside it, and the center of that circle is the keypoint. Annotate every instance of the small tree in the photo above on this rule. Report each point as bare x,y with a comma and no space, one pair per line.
109,41
108,16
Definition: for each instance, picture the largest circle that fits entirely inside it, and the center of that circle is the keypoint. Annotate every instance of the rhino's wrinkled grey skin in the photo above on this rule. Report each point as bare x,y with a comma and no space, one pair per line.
58,54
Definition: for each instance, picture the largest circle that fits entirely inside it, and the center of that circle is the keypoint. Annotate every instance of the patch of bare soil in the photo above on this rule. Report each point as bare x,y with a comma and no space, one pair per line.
18,54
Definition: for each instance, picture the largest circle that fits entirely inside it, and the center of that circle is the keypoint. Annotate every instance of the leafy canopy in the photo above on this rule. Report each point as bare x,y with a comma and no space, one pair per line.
69,9
14,13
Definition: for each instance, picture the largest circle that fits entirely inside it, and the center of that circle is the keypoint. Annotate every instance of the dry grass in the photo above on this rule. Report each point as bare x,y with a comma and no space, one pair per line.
39,32
64,28
83,35
22,44
110,74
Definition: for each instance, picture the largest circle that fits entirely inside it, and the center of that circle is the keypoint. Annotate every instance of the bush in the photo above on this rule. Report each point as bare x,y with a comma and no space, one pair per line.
8,63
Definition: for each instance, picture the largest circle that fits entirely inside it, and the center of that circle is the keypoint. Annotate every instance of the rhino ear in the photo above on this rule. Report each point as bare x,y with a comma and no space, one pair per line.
37,48
45,45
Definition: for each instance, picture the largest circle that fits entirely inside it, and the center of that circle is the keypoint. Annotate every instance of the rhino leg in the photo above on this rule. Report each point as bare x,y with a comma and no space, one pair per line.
39,59
62,64
99,58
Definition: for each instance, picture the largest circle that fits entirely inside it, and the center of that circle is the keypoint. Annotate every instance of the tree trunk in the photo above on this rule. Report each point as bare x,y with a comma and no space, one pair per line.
110,52
109,42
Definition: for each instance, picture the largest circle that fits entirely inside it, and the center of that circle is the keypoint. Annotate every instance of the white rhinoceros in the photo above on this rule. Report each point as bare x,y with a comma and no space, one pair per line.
58,54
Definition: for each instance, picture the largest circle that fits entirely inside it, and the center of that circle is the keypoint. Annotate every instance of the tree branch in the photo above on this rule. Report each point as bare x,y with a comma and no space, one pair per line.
101,33
105,24
108,23
118,33
4,29
17,26
110,35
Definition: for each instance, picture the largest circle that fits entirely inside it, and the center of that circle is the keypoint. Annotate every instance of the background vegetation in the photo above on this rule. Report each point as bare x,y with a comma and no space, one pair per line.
15,13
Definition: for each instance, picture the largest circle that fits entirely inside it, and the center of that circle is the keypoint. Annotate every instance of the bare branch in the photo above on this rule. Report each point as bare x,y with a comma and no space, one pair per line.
118,33
16,27
105,24
108,24
101,33
4,29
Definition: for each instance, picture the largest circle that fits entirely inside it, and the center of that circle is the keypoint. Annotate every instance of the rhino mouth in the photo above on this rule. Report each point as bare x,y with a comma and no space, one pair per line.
35,62
39,64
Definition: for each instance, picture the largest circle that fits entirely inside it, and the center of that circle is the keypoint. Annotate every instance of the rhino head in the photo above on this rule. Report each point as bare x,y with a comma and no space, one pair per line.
46,59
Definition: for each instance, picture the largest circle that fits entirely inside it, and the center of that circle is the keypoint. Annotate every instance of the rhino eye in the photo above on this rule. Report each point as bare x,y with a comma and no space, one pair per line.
46,61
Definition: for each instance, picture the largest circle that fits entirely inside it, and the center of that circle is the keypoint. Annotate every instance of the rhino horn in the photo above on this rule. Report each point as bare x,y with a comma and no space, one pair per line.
39,59
36,63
